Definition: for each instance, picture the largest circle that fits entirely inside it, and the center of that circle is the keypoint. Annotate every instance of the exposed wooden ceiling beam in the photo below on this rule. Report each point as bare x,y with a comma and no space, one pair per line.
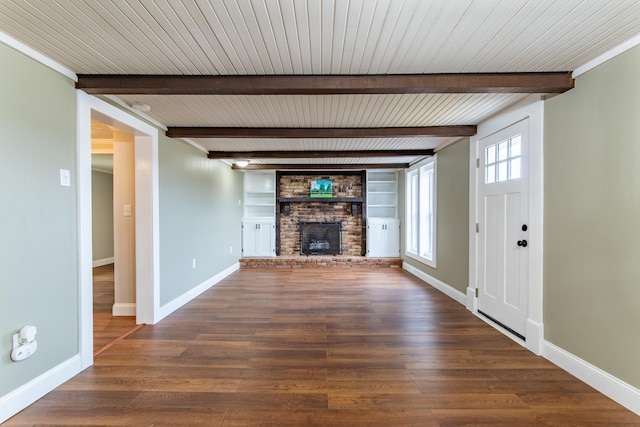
228,132
553,82
315,154
316,167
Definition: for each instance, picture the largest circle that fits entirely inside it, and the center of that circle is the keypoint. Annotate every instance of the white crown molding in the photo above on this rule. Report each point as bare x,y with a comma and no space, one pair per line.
629,44
37,56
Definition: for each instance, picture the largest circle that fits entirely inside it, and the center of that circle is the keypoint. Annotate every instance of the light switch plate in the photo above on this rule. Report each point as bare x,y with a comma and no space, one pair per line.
65,177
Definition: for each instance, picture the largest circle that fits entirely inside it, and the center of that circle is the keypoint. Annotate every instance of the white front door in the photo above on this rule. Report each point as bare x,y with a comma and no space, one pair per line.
503,223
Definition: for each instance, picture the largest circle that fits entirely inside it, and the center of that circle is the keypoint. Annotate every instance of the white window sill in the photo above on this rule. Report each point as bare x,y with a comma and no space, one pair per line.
430,262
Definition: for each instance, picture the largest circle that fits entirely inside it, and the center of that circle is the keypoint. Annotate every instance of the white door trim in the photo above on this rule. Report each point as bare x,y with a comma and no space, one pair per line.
532,108
147,228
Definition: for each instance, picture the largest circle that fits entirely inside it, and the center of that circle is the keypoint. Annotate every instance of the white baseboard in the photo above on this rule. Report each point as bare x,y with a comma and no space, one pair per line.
124,309
439,285
103,261
618,390
18,399
178,302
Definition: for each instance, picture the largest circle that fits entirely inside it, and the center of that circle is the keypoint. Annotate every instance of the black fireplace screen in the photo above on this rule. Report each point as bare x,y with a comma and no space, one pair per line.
320,238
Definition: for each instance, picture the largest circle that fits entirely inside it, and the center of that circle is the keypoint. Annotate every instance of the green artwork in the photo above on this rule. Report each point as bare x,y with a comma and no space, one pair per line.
321,188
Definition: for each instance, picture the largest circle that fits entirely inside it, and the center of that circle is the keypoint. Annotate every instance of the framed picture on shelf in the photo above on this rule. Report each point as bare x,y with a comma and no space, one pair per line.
321,188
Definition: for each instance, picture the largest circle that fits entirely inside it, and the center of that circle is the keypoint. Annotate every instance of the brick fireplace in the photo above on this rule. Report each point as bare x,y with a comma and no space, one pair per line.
294,206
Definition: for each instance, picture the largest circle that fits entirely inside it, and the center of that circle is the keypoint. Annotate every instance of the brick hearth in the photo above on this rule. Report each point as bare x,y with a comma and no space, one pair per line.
320,261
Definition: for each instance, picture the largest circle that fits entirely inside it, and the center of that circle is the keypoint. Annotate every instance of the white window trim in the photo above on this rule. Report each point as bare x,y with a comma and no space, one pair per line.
413,169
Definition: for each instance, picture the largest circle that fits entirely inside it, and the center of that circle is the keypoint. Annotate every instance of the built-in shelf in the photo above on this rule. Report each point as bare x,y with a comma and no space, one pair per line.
382,194
259,195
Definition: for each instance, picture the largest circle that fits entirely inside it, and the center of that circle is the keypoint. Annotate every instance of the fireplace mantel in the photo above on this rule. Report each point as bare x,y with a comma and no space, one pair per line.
320,199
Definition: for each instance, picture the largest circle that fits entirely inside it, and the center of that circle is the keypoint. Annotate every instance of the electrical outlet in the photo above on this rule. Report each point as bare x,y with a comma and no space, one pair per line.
193,263
230,249
23,351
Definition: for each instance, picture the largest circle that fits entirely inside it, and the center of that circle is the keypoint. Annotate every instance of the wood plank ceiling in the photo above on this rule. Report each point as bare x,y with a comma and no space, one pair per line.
318,46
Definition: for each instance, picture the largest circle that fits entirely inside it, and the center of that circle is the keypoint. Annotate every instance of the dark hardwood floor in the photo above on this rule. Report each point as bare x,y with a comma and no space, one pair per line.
322,348
106,328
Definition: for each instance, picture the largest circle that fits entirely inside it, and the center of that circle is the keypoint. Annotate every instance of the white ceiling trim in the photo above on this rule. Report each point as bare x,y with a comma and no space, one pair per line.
37,56
618,50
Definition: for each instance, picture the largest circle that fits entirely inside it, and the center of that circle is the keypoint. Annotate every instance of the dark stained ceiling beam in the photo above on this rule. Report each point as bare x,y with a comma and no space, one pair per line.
548,82
317,167
398,132
243,155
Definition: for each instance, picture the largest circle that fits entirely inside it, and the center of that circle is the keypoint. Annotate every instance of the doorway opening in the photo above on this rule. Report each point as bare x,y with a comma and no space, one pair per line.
113,233
141,300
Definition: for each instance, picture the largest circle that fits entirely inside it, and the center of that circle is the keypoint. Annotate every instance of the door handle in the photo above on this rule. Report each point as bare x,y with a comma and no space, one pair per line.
522,243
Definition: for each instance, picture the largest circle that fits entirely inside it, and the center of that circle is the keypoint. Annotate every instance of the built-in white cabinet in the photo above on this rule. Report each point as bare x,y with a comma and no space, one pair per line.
382,194
383,225
258,224
258,237
383,237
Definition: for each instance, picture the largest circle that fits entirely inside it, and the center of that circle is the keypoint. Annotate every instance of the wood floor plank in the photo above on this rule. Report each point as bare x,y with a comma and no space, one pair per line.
106,327
322,348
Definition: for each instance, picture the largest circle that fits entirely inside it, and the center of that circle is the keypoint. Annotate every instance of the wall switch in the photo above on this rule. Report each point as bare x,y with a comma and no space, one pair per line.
193,263
127,210
65,177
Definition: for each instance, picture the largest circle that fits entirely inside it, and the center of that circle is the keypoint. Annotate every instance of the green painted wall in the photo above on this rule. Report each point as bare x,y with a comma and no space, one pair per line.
102,214
592,218
199,217
452,234
38,247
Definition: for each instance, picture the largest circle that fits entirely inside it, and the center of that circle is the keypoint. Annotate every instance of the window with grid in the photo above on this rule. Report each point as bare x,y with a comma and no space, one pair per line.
503,160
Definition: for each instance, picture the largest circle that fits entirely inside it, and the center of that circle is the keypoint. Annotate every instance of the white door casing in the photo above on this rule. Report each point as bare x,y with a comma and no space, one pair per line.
531,109
147,226
503,207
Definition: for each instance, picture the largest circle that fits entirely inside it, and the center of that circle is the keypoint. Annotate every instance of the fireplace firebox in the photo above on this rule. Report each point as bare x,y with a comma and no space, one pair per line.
320,238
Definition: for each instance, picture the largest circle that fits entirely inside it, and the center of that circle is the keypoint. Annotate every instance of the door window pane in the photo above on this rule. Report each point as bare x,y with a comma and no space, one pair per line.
515,146
490,176
503,150
514,168
490,155
502,171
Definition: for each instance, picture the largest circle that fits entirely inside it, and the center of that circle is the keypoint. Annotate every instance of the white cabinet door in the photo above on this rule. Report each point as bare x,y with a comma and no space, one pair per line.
258,238
392,238
383,237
